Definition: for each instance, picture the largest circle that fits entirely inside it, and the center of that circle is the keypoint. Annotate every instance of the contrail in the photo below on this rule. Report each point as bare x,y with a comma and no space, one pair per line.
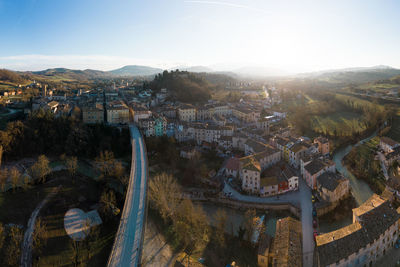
229,4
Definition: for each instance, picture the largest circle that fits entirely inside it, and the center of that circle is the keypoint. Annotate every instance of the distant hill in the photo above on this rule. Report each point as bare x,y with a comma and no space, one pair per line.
11,77
68,74
136,70
193,69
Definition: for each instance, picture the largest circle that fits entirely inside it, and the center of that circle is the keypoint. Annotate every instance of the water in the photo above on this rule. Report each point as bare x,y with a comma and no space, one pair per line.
360,189
236,217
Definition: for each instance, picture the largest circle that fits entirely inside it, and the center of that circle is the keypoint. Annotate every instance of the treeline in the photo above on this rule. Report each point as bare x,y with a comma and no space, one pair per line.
43,133
184,86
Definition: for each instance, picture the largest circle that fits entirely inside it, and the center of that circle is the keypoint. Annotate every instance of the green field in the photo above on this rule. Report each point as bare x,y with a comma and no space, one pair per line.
344,122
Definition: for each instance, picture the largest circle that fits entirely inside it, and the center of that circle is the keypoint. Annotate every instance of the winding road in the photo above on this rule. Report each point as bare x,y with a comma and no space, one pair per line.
128,242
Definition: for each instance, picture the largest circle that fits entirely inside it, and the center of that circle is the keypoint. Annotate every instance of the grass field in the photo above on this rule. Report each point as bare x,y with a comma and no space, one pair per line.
344,122
83,194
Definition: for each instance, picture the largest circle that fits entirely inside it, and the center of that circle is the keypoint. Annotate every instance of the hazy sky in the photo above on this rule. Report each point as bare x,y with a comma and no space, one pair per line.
288,35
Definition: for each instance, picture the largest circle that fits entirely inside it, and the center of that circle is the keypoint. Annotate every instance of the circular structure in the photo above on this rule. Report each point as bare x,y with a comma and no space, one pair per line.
76,224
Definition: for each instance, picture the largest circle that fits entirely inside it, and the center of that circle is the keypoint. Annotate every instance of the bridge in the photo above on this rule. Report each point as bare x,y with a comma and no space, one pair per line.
128,241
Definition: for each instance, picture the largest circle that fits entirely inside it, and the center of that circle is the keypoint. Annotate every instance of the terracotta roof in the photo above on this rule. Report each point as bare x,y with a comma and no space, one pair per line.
232,164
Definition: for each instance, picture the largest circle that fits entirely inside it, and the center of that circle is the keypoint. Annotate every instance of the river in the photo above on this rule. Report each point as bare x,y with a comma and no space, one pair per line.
360,189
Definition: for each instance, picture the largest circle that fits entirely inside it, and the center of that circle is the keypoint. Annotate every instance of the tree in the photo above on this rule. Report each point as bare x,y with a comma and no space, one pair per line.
76,248
39,236
220,218
15,176
2,235
165,195
72,165
13,252
108,203
252,224
190,225
40,169
3,179
92,237
105,163
5,140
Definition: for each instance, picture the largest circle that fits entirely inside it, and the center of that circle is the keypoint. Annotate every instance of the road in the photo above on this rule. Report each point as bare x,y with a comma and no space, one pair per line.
26,254
128,242
300,198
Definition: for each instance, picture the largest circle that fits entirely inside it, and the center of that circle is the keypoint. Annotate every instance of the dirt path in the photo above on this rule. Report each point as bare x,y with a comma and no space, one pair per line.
26,255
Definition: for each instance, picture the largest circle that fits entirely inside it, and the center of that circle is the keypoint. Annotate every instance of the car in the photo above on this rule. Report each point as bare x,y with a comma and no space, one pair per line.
315,233
314,213
314,223
313,200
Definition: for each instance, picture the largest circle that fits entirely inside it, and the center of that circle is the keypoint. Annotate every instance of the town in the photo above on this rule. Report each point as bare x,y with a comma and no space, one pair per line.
199,133
242,154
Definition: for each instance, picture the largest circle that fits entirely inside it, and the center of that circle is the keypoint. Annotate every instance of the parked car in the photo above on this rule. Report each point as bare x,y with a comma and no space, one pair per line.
314,213
314,223
397,245
315,233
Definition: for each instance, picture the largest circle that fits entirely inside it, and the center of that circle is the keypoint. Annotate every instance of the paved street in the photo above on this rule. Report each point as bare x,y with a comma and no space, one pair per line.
300,198
129,238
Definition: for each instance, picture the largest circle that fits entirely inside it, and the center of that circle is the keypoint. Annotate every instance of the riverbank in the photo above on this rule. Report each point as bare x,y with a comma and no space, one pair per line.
362,163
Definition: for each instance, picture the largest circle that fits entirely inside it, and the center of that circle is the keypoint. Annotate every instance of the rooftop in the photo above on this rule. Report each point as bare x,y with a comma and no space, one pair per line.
371,220
287,243
330,180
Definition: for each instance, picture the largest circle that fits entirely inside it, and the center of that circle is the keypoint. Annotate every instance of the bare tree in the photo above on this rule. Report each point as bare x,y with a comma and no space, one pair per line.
13,252
105,163
220,218
165,195
39,236
3,178
15,176
5,140
2,235
40,169
109,203
72,165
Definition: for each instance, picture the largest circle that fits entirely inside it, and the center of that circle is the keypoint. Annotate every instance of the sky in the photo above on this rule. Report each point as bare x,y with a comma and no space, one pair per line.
288,36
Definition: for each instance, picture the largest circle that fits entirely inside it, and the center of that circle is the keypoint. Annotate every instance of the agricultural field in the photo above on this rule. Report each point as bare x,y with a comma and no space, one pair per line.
343,122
